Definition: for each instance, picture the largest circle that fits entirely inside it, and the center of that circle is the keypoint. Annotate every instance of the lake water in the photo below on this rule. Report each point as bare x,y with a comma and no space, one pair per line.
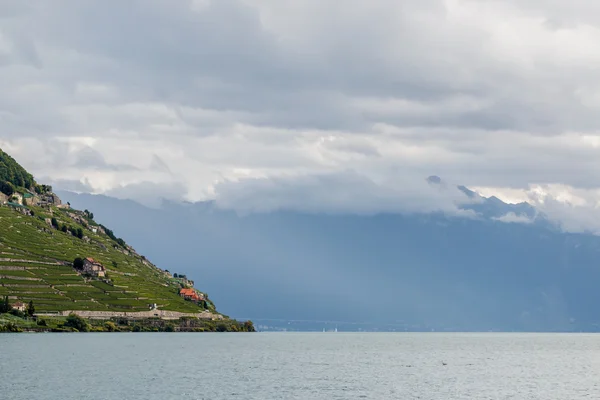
299,366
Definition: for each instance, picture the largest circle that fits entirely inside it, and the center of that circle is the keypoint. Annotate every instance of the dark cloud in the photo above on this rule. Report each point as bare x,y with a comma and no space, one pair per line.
149,193
218,93
88,158
346,192
159,165
68,185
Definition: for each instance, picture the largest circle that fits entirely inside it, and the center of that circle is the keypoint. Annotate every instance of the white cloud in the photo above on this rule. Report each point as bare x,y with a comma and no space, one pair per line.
498,95
345,192
511,217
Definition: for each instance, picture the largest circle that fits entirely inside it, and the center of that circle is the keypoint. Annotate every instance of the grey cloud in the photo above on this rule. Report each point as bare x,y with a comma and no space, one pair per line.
346,192
255,88
150,194
511,217
296,78
157,164
68,185
89,158
353,146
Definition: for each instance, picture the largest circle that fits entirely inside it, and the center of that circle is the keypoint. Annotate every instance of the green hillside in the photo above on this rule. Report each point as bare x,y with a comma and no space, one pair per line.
40,239
36,263
13,175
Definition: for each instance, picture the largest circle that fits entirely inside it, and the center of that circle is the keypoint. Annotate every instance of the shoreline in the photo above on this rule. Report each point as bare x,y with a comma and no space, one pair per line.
121,322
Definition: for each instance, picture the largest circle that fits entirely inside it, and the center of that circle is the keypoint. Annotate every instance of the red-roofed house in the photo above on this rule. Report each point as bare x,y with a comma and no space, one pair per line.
190,294
93,267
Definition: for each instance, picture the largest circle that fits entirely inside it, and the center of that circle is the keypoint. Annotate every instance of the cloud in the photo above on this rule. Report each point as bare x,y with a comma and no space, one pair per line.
210,94
339,193
511,217
573,209
88,158
68,185
148,193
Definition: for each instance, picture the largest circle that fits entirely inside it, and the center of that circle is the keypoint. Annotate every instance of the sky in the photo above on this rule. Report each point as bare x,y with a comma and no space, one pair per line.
309,104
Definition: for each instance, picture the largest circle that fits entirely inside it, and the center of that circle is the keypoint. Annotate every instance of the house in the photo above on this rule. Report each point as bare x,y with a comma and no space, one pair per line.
93,267
30,199
3,198
19,306
47,199
17,198
190,294
94,229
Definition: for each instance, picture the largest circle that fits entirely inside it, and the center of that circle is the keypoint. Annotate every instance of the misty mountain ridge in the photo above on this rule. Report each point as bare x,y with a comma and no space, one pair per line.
413,270
493,208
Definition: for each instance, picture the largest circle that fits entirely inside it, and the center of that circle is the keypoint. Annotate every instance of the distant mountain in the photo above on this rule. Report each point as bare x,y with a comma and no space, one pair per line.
507,268
60,260
494,208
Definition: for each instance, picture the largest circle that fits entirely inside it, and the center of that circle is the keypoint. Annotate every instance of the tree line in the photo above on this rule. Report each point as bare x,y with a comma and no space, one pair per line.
6,307
13,175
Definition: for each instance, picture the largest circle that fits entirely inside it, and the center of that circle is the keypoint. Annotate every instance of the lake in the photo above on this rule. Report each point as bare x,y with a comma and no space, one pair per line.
425,366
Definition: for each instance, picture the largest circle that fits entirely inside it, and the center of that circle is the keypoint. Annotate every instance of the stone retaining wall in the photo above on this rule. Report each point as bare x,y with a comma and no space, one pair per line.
163,314
22,278
30,261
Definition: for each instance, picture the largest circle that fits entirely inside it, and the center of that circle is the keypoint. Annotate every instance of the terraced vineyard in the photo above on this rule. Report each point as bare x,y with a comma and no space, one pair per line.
36,264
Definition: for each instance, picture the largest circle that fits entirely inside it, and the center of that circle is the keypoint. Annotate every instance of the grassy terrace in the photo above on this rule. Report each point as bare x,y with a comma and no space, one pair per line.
35,264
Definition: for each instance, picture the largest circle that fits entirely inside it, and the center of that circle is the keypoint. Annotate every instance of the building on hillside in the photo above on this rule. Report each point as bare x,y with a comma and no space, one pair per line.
3,198
19,208
30,199
93,267
18,305
190,294
47,199
44,200
17,198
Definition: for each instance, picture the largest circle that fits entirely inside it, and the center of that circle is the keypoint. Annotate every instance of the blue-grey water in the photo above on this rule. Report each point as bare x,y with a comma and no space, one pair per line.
162,366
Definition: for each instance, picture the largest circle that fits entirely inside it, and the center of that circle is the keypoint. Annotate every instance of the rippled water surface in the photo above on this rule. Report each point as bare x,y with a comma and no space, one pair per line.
299,366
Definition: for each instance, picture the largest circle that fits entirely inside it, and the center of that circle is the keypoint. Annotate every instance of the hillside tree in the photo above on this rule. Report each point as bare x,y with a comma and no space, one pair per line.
78,263
76,322
7,188
30,308
5,306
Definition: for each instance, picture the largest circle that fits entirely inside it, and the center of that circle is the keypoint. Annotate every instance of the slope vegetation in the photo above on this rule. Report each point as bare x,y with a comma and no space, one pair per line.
36,264
13,174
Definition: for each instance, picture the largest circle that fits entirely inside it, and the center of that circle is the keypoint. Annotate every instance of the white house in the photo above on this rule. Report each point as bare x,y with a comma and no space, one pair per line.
17,198
19,306
93,267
